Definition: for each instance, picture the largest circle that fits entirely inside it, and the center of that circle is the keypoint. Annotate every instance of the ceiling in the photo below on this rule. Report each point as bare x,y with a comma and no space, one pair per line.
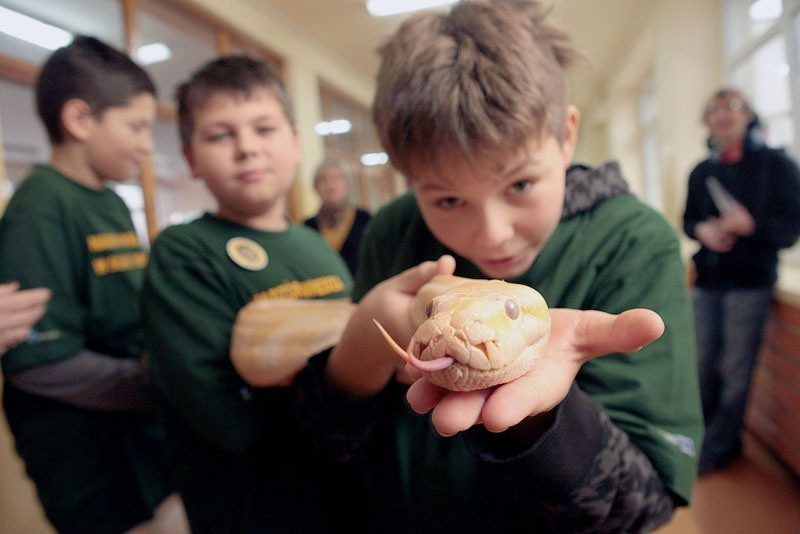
598,27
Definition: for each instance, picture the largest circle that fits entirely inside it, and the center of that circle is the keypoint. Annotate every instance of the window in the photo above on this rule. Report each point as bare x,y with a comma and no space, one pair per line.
24,138
375,184
762,46
189,42
100,18
185,41
651,153
746,20
764,77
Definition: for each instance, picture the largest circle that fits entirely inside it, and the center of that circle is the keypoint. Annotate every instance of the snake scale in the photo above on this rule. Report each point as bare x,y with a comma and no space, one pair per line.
471,334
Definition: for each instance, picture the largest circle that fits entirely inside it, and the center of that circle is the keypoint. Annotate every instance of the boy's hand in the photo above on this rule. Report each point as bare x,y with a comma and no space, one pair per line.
19,311
362,363
576,337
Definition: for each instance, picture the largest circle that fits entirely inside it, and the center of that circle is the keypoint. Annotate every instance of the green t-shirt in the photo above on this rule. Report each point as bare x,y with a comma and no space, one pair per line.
618,255
80,243
200,275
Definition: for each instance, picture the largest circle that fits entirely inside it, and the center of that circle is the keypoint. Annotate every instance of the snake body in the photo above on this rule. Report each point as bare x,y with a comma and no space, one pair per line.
472,334
475,334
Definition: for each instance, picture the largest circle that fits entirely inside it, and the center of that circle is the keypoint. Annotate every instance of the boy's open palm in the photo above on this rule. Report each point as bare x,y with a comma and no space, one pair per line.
576,337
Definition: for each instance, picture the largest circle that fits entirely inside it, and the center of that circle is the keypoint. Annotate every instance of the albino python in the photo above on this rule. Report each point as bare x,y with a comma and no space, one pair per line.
475,334
472,334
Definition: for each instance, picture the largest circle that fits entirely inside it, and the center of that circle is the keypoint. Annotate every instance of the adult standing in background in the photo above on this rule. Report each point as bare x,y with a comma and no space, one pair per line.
339,223
743,205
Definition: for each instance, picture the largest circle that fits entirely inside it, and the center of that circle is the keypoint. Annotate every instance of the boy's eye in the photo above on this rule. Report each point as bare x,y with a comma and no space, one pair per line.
521,187
217,136
264,130
139,127
449,202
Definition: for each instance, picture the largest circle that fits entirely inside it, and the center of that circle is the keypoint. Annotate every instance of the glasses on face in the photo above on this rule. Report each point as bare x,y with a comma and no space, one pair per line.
733,104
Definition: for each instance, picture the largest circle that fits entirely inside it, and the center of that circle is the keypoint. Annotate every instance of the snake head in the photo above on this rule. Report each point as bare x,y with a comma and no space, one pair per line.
493,331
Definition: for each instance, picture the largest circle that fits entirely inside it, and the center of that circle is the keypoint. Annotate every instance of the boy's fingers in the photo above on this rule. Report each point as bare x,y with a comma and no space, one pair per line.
415,277
21,305
600,333
8,287
458,411
423,396
35,297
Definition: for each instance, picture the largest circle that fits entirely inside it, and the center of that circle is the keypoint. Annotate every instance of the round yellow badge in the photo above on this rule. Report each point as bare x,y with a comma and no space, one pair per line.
247,253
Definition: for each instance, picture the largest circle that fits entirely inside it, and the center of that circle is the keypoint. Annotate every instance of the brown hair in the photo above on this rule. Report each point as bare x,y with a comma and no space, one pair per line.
488,74
238,74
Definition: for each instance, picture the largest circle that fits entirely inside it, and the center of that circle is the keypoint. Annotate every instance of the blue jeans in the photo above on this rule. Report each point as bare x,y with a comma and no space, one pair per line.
728,326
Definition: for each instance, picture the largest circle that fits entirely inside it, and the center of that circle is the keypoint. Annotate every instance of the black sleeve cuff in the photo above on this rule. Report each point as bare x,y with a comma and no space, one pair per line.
555,459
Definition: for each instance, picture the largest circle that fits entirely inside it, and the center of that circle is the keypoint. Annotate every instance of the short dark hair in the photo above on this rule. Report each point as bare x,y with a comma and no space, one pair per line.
485,75
92,71
238,74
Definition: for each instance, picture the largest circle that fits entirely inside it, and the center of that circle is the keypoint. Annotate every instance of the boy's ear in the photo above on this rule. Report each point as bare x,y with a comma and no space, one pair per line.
77,119
571,124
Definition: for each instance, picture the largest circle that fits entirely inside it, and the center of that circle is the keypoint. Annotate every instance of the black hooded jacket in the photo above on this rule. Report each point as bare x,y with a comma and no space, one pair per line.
767,182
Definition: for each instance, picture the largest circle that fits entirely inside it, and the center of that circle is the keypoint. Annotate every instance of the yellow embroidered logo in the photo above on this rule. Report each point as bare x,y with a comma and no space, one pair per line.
111,241
117,263
305,289
247,253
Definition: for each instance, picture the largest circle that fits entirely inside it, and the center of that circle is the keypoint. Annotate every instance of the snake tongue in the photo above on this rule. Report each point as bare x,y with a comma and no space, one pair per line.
432,365
423,365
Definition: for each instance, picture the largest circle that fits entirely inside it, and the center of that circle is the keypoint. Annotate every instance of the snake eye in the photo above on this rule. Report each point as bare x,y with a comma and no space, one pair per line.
428,309
512,309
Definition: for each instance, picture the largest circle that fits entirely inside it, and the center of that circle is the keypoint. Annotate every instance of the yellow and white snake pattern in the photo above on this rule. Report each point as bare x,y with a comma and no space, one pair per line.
472,334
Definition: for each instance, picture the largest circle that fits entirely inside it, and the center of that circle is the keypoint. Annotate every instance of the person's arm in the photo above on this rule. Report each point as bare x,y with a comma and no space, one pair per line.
341,393
576,337
693,214
19,311
648,397
91,380
598,483
362,363
779,224
701,225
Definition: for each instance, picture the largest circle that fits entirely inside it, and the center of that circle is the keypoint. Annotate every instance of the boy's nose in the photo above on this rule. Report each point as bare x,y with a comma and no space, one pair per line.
147,144
151,144
494,226
245,144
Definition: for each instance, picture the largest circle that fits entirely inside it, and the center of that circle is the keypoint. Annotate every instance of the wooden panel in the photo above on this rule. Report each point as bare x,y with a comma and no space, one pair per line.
786,314
17,70
773,414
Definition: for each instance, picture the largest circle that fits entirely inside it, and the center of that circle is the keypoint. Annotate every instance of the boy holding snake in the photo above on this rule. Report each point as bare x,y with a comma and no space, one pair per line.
240,466
471,107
